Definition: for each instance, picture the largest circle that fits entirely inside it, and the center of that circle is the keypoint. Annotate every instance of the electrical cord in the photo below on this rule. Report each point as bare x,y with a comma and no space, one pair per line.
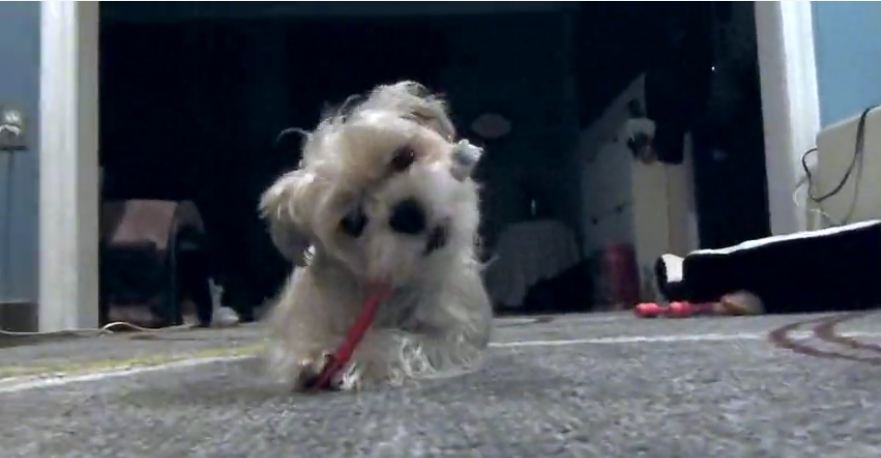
5,289
858,154
103,330
5,286
799,204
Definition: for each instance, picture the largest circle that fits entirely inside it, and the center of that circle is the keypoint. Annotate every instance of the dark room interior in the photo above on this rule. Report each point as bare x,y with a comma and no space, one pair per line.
193,97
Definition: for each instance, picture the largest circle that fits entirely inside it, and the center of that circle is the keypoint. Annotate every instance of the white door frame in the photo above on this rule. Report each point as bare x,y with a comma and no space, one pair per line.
69,143
790,104
68,245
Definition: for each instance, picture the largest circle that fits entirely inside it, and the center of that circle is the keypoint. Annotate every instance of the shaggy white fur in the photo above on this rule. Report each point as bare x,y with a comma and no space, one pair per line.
383,195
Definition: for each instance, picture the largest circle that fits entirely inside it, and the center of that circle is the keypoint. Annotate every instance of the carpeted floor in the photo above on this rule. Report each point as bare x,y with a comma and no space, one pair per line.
575,385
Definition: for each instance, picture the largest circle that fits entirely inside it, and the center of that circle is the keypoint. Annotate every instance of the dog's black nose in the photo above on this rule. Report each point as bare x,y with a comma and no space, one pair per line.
407,217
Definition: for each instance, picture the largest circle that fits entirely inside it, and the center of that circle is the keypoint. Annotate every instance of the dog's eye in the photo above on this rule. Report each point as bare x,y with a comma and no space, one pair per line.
353,224
403,158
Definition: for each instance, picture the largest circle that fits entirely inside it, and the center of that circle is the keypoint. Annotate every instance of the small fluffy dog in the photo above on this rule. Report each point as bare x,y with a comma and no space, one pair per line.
382,196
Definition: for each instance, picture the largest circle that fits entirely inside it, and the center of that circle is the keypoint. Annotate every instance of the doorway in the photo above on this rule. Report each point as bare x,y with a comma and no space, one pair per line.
193,97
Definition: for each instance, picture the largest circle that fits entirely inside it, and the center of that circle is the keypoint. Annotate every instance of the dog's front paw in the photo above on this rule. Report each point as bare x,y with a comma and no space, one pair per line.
349,377
308,371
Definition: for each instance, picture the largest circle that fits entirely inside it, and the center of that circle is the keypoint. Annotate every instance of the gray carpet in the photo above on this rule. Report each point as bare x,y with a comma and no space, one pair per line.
603,385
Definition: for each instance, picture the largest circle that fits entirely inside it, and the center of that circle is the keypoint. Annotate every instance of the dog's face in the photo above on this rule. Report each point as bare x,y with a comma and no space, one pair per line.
382,188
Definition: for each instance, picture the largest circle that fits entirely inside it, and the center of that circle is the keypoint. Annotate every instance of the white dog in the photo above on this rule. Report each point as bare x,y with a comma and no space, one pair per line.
383,195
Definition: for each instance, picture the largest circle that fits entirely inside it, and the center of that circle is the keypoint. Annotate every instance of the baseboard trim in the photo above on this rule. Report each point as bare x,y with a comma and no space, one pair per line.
18,316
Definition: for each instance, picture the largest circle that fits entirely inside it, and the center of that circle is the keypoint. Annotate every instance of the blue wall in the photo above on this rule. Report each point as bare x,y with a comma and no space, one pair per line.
19,87
847,37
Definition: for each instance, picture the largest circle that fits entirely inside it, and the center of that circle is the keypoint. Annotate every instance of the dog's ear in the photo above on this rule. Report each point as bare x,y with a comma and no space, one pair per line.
288,206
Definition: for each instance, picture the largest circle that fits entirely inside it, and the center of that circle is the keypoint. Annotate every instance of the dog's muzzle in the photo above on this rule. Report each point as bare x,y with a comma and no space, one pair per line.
408,218
437,238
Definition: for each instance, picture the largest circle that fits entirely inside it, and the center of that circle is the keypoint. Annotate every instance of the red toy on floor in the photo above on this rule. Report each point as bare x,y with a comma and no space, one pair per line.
674,310
740,303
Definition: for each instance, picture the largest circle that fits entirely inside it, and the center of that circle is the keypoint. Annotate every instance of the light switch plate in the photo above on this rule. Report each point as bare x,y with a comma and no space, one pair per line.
12,130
